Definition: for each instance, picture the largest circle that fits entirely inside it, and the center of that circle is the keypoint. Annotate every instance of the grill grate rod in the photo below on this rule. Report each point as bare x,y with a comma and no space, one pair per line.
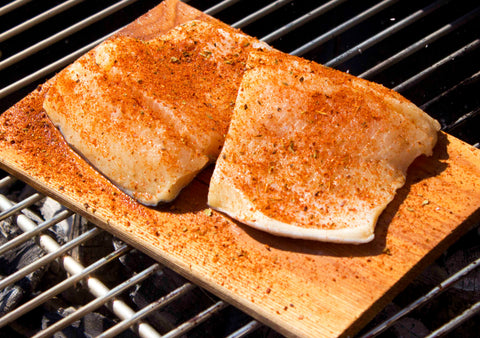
199,318
220,7
7,180
51,68
426,72
302,20
12,6
422,300
462,119
144,330
247,329
64,33
343,27
163,301
10,209
361,47
30,234
472,79
467,314
260,13
60,287
420,44
38,19
43,261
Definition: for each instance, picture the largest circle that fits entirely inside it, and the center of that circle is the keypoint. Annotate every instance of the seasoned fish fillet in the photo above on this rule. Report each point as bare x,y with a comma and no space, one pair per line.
129,143
150,114
315,153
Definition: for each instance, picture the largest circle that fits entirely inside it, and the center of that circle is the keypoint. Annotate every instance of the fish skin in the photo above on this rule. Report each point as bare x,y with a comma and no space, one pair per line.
150,115
315,153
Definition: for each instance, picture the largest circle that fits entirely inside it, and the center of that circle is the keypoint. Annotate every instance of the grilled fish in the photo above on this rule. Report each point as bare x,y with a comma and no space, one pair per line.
150,114
315,153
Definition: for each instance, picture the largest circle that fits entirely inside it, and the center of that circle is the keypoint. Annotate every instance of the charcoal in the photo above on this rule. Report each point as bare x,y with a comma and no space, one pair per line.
91,325
62,230
408,326
13,260
10,298
134,261
459,259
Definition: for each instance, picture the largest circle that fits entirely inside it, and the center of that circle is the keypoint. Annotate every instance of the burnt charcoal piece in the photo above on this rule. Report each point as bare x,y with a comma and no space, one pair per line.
11,261
91,325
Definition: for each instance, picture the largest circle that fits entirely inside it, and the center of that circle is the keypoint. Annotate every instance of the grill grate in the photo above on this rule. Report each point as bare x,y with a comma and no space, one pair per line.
427,50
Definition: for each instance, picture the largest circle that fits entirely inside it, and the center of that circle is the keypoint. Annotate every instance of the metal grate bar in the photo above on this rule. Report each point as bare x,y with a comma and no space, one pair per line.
63,34
420,44
462,119
423,74
9,208
475,77
43,261
302,20
426,72
247,329
467,314
7,180
51,68
343,27
38,19
201,317
422,300
220,7
30,234
145,330
361,47
12,6
125,324
260,13
60,287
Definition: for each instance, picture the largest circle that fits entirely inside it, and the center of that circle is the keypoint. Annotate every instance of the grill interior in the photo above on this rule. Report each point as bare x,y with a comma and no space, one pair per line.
426,50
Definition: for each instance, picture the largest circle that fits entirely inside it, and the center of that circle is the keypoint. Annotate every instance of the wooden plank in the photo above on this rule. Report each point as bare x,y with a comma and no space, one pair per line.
300,288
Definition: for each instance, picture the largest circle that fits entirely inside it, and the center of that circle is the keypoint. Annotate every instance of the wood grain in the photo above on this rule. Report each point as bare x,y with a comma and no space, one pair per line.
300,288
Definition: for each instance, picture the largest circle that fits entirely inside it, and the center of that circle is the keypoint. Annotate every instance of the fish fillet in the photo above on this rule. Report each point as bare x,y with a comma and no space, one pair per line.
315,153
150,114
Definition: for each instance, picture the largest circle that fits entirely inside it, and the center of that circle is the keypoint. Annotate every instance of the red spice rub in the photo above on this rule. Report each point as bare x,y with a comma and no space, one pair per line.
315,153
